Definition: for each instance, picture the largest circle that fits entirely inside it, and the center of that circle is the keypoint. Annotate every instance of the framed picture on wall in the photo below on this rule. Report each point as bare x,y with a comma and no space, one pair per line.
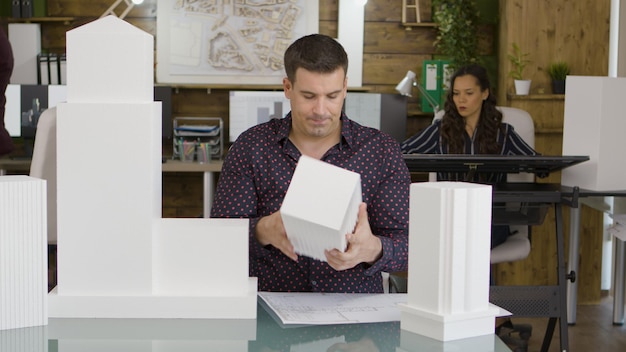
236,42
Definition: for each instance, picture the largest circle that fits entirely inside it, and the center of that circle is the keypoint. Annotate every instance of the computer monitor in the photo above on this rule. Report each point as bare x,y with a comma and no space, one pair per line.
33,101
250,108
382,111
24,105
386,112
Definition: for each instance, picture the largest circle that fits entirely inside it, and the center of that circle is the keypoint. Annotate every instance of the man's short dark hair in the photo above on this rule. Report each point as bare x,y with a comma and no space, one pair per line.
316,53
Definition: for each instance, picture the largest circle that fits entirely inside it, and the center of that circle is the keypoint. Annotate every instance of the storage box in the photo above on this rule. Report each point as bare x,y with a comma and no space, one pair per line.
198,138
320,207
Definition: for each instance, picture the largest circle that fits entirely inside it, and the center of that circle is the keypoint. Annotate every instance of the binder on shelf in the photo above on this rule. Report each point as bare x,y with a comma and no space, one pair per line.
16,8
51,68
39,8
435,78
27,8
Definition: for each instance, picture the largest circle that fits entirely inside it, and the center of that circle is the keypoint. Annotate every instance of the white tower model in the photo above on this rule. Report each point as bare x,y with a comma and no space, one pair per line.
116,257
23,256
449,246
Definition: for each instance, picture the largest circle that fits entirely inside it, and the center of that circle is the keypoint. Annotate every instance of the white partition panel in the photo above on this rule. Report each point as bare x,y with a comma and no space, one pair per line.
594,125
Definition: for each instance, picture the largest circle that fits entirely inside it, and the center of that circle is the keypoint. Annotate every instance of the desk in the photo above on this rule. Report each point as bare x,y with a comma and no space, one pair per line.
189,335
529,301
595,199
208,169
17,165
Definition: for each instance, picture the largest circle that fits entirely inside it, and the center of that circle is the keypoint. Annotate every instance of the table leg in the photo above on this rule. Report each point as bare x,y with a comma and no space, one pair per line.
560,250
618,281
572,264
208,193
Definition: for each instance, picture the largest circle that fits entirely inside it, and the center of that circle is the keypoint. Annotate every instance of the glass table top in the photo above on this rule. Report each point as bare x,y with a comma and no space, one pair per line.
263,334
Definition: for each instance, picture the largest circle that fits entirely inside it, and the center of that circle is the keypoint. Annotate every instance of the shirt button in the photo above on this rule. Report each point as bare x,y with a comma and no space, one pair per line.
314,283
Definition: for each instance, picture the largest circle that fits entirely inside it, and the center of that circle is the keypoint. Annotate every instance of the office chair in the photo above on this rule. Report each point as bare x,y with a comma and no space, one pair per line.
517,246
44,166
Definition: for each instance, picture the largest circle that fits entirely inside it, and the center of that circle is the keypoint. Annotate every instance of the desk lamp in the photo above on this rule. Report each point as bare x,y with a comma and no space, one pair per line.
129,6
406,85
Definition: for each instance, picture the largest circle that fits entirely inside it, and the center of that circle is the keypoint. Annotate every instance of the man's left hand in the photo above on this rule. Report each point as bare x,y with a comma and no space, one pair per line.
363,246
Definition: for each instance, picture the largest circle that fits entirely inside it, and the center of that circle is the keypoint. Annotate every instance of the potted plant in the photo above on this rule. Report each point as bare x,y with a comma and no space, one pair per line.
519,60
558,71
457,25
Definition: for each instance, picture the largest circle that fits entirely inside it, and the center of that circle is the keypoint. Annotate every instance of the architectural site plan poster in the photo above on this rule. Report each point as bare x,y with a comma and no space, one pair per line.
229,42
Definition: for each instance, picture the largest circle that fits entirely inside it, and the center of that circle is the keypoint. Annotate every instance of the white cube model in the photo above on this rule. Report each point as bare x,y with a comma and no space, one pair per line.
23,253
117,258
321,206
594,125
449,246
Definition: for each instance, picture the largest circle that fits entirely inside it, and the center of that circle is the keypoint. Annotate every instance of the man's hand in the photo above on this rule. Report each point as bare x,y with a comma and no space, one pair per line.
270,230
363,246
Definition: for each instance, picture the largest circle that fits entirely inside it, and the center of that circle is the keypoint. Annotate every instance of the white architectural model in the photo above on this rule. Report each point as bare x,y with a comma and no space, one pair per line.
23,254
449,244
117,257
321,206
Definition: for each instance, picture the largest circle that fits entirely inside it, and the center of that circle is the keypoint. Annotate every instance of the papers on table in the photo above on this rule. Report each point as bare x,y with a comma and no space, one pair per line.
314,308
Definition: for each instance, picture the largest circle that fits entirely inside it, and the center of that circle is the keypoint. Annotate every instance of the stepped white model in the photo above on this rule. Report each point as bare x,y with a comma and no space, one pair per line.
117,258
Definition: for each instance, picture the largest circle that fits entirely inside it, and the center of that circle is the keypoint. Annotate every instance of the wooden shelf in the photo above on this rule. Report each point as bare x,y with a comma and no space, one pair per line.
277,87
65,20
409,25
536,97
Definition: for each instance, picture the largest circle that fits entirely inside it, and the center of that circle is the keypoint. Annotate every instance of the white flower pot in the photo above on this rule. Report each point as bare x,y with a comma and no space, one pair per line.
522,87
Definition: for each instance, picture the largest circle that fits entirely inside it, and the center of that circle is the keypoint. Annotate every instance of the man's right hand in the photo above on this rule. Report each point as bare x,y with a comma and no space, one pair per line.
270,230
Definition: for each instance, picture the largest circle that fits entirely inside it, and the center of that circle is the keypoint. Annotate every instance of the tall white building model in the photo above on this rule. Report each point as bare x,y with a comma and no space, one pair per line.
116,257
449,246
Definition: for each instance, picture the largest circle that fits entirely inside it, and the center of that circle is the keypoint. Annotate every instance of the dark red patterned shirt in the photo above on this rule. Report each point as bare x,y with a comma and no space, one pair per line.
255,178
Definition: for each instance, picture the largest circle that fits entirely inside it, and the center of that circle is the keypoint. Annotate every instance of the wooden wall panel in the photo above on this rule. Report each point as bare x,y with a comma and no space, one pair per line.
553,30
389,69
95,8
390,37
383,11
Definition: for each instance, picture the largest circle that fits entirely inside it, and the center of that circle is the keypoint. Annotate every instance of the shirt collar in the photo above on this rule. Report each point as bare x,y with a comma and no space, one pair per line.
347,138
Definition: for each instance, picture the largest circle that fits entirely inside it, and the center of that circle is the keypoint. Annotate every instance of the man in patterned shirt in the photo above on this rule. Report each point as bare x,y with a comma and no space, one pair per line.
259,166
6,68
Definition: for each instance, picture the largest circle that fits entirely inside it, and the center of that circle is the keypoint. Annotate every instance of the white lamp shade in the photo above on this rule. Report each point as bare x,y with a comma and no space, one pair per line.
406,85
